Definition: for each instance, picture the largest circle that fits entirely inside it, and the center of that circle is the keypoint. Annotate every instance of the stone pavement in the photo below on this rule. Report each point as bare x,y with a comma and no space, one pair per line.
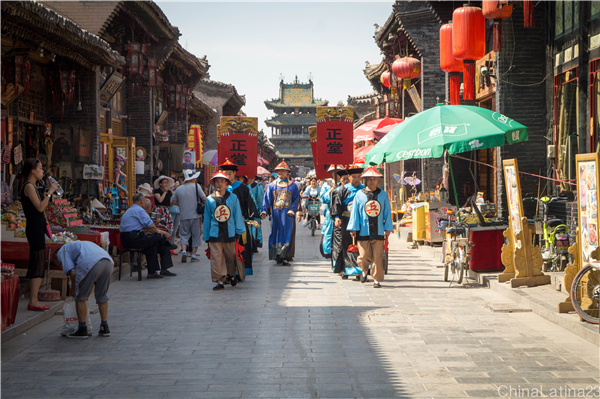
302,332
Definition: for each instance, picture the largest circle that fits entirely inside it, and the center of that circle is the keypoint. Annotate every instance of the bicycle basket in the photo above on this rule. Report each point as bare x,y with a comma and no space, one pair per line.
313,209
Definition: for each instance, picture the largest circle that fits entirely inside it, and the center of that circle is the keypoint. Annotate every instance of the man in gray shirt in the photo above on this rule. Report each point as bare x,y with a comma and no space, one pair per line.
187,197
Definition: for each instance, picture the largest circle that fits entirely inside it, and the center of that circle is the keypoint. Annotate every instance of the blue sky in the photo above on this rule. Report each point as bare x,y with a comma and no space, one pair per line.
250,44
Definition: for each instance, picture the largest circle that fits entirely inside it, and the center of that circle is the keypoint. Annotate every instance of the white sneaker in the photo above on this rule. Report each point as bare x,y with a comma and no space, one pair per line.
194,258
305,223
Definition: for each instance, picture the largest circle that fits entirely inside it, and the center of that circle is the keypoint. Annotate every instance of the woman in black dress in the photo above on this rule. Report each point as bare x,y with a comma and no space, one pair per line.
34,203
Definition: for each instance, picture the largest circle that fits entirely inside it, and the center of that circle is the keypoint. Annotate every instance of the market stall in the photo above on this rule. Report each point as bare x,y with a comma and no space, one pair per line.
445,130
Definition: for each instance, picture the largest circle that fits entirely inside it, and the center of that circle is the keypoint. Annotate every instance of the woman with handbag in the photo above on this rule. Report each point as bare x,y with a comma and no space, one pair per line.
34,203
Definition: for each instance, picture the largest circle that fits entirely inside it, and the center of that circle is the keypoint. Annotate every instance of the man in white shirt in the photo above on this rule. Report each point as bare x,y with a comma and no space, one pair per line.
187,197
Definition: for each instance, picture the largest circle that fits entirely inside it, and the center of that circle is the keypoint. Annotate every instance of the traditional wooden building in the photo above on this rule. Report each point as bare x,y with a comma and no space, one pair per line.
52,72
295,110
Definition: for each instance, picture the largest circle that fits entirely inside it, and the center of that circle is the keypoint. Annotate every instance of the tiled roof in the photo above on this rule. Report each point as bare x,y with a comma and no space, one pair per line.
292,120
363,98
33,21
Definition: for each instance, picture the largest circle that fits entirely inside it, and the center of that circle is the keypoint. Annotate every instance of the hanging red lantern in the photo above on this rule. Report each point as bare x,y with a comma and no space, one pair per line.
468,43
496,11
449,63
385,78
406,68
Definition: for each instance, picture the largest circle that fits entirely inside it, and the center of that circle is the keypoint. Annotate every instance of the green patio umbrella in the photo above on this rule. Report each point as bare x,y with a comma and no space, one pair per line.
452,128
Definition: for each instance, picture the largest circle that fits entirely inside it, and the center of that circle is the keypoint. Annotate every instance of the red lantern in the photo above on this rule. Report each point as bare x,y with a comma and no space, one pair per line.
406,68
496,11
385,79
450,64
468,43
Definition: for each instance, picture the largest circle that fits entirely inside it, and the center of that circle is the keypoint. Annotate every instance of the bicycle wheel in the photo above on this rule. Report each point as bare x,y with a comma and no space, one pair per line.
585,293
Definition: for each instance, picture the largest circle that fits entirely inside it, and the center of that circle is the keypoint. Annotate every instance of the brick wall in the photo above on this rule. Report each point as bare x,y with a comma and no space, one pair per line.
521,95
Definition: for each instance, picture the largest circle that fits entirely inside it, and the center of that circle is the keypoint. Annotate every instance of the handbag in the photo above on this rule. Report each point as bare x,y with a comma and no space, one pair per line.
199,205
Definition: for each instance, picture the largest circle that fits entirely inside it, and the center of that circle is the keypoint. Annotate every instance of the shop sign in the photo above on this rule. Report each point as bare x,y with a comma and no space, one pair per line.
237,140
588,180
18,155
195,142
320,169
335,135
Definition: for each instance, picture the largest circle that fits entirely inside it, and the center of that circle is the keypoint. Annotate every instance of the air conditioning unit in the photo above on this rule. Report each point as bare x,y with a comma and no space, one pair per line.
551,151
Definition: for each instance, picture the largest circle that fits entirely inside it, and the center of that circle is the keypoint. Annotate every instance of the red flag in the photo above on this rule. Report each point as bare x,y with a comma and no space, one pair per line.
335,135
237,140
320,169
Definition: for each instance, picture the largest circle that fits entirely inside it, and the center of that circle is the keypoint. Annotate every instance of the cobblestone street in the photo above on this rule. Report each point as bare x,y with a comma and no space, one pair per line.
301,332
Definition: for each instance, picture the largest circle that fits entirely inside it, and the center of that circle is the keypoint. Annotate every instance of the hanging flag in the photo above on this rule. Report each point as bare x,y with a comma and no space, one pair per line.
195,142
335,133
320,169
237,140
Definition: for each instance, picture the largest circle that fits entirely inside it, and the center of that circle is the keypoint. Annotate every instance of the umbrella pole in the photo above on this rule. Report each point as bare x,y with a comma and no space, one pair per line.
454,188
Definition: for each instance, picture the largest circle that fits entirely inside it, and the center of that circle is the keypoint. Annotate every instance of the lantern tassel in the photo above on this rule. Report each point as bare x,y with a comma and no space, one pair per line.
469,80
497,37
407,84
528,14
454,89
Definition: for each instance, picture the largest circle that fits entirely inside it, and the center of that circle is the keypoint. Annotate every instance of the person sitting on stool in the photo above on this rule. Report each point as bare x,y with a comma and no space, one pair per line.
87,265
139,231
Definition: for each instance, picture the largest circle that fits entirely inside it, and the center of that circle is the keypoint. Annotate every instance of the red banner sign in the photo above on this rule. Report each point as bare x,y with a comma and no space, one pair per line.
335,135
320,169
195,142
237,140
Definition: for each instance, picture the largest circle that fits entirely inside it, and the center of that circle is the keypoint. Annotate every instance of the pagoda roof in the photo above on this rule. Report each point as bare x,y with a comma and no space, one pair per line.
295,95
292,120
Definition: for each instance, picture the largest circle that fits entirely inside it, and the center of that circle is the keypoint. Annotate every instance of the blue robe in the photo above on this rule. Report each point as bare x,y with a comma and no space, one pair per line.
257,193
327,229
281,197
370,228
215,231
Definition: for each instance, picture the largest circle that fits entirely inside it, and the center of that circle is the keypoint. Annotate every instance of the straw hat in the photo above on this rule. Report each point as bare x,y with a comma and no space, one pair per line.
372,172
157,181
145,189
219,175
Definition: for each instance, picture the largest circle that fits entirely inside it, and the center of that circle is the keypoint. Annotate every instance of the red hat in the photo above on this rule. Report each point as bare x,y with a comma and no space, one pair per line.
372,172
220,175
228,165
282,166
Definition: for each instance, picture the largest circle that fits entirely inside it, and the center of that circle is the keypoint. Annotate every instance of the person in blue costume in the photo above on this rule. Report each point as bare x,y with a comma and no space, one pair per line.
371,222
345,262
282,198
257,192
248,213
223,226
325,196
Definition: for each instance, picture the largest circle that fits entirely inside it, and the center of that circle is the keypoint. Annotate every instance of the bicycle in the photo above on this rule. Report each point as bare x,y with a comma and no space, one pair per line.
585,293
457,260
554,236
313,214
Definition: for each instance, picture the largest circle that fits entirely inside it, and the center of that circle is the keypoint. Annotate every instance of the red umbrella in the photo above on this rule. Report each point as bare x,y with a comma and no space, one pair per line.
382,131
260,171
360,153
366,131
262,161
